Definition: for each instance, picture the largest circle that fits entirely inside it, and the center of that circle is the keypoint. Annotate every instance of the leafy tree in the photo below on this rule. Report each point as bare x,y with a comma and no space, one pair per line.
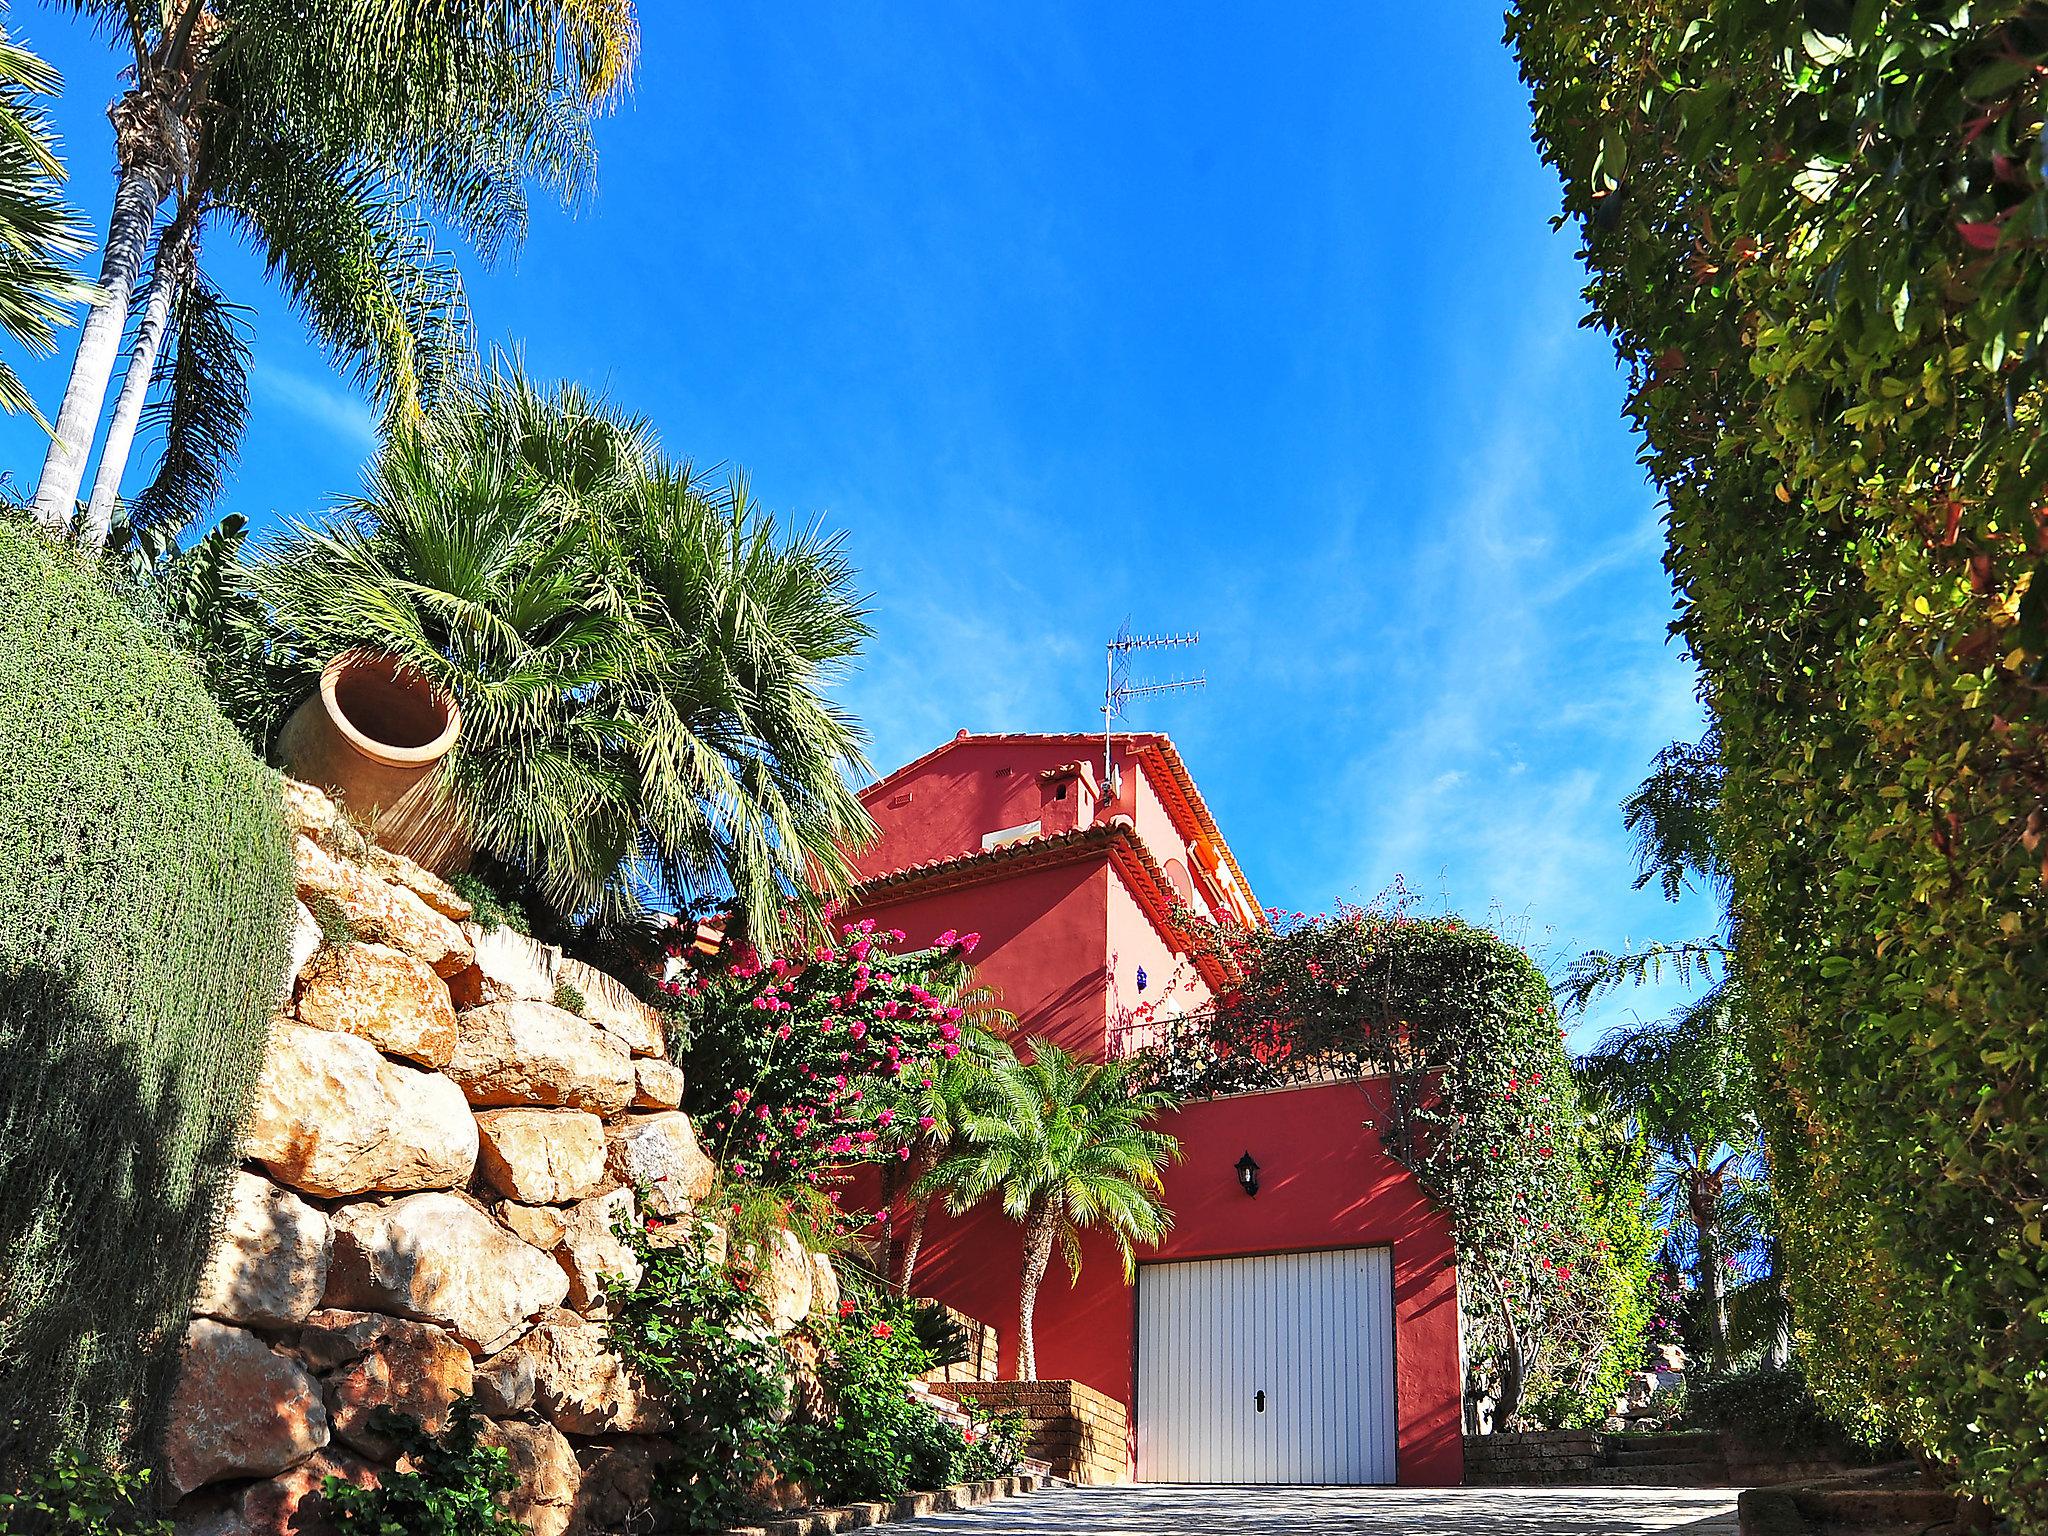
324,133
1819,238
642,657
1067,1148
39,233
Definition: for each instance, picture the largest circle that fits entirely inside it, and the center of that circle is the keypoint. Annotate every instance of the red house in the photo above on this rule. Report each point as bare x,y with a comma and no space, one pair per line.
1307,1332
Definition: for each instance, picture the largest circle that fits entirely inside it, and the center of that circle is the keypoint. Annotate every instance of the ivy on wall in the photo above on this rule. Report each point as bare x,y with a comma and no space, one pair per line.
145,913
1818,235
1484,1111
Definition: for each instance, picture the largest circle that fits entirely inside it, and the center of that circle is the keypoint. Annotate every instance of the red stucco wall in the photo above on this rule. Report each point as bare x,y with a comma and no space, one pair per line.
1325,1184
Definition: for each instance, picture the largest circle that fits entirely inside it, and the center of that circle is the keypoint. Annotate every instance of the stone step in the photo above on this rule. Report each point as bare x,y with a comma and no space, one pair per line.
1624,1454
1691,1474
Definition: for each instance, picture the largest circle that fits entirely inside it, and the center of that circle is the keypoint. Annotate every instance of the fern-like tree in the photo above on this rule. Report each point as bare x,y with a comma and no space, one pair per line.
642,657
40,235
321,131
1684,1082
939,1106
1066,1147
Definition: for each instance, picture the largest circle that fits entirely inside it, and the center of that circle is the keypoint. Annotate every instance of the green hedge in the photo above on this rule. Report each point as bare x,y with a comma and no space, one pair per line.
145,910
1818,235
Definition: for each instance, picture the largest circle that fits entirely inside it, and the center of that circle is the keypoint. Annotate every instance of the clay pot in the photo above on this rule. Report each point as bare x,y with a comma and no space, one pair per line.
371,737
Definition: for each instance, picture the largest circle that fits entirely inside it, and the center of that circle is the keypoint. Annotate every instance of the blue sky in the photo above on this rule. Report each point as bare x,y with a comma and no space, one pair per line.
1255,326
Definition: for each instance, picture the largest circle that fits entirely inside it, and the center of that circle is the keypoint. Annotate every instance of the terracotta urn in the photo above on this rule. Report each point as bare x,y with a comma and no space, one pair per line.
371,736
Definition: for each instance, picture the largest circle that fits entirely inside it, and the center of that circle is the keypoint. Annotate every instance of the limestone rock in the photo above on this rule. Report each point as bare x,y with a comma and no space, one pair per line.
824,1285
508,967
438,1259
375,1362
290,1504
607,1004
535,1053
270,1265
619,1483
656,1084
384,996
540,1225
547,1476
437,893
241,1409
782,1279
590,1249
504,1383
582,1388
546,1156
659,1154
309,811
306,940
332,1117
389,914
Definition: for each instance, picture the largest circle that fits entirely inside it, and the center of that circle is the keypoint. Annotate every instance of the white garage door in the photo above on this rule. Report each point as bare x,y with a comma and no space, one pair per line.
1273,1369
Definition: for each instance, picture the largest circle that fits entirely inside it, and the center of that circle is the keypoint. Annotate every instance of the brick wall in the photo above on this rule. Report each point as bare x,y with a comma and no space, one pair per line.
1080,1433
1564,1455
981,1363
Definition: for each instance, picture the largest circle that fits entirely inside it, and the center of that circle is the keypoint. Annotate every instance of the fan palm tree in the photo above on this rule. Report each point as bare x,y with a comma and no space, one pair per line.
39,234
640,656
1066,1148
313,127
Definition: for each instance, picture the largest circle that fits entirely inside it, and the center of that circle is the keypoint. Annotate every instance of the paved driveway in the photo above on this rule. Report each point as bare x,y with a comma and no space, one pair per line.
1157,1509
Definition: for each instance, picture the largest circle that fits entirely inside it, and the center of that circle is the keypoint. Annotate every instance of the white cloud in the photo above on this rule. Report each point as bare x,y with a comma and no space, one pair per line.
321,401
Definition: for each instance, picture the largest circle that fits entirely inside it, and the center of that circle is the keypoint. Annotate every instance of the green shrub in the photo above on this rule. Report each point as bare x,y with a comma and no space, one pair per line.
1818,236
698,1336
1776,1409
494,909
570,998
446,1484
336,930
145,914
71,1496
880,1442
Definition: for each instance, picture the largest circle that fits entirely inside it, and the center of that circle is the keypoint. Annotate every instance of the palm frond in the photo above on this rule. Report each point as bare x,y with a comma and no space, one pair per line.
200,408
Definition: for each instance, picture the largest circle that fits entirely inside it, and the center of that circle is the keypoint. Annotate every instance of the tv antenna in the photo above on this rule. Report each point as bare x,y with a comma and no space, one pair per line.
1118,689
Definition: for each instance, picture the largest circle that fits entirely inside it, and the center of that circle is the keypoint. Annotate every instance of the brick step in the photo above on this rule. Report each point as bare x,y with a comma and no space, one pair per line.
1691,1474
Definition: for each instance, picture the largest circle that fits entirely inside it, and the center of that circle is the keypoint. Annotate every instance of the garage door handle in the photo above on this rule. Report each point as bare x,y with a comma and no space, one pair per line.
1259,1398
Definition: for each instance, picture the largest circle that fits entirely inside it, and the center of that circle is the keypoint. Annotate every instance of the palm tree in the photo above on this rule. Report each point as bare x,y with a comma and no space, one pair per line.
39,233
313,127
1067,1149
940,1107
641,657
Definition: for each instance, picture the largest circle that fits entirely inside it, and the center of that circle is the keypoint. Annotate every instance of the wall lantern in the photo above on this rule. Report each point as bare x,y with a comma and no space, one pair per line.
1248,1175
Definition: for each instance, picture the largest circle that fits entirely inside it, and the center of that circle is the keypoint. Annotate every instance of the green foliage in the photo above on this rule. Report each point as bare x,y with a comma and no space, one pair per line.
443,1485
879,1441
1819,238
40,235
697,1336
643,659
1777,1409
494,907
71,1496
145,916
569,998
337,931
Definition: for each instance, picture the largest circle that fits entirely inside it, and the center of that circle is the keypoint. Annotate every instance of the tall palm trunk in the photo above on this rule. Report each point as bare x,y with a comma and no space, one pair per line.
167,273
891,1182
1039,1231
136,197
913,1242
1704,1197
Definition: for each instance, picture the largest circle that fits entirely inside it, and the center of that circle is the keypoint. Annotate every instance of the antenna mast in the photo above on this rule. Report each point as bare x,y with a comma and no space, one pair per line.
1118,690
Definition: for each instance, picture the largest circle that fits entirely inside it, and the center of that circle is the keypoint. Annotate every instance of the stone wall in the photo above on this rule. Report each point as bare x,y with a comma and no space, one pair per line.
433,1167
982,1362
1563,1455
1080,1433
